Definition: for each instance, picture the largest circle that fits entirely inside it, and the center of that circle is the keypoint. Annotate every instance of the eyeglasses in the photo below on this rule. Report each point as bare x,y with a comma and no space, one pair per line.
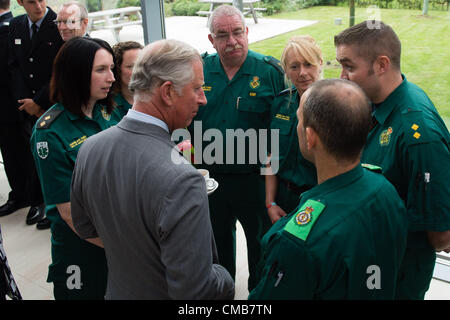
237,34
66,22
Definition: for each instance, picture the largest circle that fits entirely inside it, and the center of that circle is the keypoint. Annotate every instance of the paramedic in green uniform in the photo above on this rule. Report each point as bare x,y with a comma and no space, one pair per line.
302,62
409,141
240,86
80,84
348,235
125,54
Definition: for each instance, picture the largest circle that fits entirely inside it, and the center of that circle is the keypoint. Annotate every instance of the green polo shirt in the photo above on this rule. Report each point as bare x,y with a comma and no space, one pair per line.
292,166
56,139
244,102
411,144
345,240
121,104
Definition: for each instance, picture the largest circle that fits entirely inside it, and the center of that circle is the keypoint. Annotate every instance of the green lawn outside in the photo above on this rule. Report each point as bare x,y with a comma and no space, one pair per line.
425,45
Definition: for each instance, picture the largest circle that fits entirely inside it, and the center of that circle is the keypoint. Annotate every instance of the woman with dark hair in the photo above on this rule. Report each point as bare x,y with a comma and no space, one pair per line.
125,54
80,86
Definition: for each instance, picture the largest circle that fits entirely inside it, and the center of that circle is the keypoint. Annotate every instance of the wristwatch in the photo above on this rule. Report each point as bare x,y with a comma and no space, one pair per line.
270,205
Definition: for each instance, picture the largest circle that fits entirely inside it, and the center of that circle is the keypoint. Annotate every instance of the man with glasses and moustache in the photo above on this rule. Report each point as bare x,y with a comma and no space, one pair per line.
240,86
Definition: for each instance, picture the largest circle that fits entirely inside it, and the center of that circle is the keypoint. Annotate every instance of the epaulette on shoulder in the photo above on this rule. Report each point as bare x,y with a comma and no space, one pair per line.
274,62
372,167
46,120
286,91
415,128
204,54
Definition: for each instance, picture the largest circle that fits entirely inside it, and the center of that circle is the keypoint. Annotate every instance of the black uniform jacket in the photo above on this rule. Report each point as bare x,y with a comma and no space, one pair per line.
8,109
30,62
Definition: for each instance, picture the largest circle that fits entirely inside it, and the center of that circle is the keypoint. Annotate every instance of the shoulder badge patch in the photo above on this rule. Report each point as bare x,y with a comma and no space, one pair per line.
42,149
276,63
303,220
46,120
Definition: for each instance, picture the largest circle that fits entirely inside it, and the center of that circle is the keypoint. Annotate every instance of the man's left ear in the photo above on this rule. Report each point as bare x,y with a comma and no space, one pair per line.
382,64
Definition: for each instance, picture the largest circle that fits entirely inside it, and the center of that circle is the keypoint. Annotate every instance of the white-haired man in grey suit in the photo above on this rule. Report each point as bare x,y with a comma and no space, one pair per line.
149,209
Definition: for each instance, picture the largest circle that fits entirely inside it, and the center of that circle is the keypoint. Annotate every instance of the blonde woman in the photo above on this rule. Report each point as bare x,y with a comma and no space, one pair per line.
302,63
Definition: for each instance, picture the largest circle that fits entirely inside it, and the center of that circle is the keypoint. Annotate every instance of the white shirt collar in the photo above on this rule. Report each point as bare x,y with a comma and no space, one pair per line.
139,116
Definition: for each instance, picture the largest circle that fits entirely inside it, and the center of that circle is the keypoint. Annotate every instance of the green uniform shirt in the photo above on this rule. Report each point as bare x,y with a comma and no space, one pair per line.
122,104
345,241
245,102
292,166
55,146
56,139
411,144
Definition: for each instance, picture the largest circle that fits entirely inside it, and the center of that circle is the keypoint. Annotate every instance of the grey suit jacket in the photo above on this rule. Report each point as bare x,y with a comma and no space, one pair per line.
151,213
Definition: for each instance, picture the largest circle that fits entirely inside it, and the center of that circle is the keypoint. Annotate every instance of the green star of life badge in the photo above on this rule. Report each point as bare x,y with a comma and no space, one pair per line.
42,149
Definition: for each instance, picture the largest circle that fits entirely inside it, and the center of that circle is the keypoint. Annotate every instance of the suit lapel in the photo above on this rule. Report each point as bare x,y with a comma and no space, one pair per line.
23,35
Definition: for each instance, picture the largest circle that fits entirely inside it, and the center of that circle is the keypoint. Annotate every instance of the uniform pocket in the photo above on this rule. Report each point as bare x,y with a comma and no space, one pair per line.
284,126
257,105
253,113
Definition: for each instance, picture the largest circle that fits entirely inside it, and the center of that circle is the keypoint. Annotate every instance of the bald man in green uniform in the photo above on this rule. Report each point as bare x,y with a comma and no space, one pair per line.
240,86
409,141
348,235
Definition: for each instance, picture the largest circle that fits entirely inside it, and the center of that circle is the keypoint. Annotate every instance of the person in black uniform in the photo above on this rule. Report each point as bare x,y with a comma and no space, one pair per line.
13,143
34,41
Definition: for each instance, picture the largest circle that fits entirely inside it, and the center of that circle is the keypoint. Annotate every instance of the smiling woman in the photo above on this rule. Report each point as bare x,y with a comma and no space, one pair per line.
81,81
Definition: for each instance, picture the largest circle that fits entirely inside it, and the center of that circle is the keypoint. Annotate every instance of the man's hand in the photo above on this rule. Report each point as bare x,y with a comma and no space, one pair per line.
440,241
31,107
275,213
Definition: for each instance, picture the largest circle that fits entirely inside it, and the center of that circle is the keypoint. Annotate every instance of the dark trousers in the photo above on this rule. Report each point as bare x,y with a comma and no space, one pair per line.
287,199
239,197
415,274
19,164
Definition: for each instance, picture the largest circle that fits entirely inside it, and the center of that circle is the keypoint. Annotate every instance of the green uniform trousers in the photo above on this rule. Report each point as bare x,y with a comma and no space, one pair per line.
237,198
415,273
78,270
286,198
